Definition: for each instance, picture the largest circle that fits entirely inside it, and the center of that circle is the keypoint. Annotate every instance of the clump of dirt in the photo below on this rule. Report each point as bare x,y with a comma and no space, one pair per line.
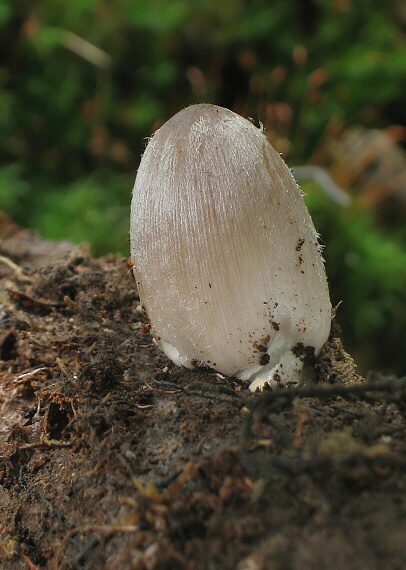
111,457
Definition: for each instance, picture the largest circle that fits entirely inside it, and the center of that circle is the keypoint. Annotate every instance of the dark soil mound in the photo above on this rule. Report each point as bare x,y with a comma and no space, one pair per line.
111,457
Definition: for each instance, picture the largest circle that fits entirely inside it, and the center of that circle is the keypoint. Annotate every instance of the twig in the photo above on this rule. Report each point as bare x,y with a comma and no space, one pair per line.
324,180
45,443
188,392
63,368
323,391
205,387
16,268
21,378
85,49
31,565
342,410
103,529
279,399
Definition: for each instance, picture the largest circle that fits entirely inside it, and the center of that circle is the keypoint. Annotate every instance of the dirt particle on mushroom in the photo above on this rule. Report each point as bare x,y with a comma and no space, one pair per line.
299,244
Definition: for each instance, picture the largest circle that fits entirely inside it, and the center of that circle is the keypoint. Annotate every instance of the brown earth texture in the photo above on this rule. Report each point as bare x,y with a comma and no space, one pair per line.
113,458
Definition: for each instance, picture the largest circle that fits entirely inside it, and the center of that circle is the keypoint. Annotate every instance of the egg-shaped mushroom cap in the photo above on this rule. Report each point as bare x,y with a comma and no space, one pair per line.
226,257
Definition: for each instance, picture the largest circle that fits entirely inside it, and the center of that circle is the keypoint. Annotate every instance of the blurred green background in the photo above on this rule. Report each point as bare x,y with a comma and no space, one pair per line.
84,83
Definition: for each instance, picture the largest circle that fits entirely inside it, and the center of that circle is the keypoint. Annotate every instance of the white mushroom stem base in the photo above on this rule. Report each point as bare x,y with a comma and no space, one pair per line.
284,369
288,371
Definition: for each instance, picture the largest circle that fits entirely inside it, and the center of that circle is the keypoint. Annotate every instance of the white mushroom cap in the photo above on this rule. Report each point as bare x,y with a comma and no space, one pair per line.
226,257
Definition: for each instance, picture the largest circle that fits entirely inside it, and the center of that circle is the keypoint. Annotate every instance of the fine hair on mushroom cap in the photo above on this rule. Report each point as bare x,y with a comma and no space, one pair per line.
226,257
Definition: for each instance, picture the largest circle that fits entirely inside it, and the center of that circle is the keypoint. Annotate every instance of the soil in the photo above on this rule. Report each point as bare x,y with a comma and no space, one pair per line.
113,458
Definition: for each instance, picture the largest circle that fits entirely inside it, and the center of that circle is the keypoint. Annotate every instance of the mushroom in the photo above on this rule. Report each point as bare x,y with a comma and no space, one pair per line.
226,257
